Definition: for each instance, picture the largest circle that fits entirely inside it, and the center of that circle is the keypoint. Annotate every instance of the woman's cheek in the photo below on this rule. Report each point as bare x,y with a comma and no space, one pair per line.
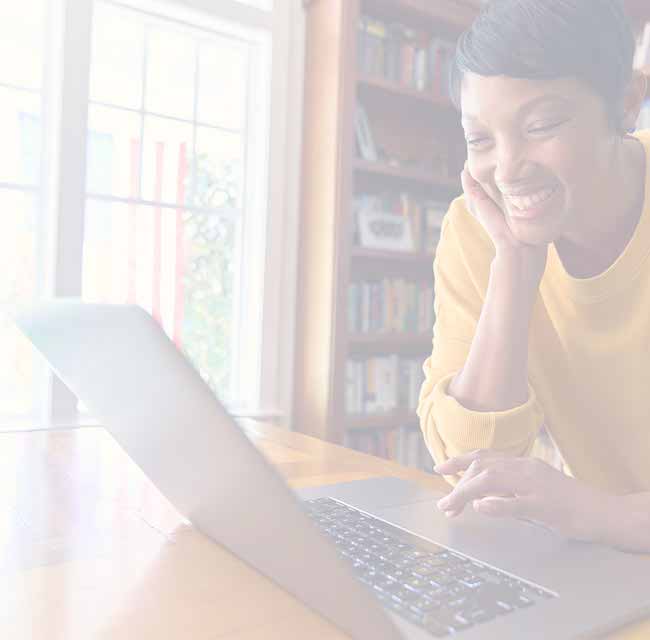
477,167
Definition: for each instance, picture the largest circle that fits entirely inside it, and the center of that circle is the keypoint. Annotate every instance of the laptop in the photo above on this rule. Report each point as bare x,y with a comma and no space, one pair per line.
375,557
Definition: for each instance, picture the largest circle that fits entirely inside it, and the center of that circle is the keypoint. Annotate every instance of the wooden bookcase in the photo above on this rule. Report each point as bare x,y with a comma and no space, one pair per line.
333,174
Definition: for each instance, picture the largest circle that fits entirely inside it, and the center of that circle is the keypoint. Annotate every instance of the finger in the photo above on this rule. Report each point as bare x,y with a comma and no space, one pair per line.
490,482
477,199
471,187
473,470
516,507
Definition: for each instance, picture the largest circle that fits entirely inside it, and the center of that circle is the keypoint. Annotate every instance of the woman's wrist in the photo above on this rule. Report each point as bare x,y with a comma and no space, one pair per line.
605,521
624,522
515,274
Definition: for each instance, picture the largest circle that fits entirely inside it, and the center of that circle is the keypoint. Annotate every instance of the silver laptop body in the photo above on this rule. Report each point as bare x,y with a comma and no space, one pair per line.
120,363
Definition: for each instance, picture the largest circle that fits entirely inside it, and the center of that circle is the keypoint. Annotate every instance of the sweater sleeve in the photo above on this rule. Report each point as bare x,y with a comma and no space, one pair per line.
461,273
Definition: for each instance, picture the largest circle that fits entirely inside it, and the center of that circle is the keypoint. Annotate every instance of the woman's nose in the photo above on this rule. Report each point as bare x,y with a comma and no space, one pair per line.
510,162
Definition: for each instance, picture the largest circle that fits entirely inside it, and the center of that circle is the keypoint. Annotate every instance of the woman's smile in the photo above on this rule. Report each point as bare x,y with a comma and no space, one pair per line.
534,205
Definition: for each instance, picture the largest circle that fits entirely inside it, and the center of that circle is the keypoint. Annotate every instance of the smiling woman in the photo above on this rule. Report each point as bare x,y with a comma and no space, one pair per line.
542,283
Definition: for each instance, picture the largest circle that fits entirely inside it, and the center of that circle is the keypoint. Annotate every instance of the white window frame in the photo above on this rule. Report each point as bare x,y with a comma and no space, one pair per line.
264,385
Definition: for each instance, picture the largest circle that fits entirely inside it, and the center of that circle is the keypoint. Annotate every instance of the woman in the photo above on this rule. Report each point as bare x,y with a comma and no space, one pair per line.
542,276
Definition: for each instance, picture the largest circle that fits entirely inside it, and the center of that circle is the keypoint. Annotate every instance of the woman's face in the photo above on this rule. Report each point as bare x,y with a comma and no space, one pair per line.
542,149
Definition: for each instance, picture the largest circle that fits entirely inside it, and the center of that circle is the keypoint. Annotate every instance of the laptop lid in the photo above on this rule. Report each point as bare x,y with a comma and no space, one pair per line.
125,369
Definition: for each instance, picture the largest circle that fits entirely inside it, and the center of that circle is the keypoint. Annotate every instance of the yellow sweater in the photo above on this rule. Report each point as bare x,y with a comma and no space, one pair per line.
589,358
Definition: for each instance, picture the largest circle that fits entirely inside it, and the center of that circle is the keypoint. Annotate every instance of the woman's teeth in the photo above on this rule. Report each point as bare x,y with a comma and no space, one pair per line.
527,202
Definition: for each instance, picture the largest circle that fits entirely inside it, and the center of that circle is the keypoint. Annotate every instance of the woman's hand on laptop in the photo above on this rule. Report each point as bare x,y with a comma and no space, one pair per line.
499,485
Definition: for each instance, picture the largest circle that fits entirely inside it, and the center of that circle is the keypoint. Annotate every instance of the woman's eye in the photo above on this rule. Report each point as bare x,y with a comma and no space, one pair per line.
475,142
546,128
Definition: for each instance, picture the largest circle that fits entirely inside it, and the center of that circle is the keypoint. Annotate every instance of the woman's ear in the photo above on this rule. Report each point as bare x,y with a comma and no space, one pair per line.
633,100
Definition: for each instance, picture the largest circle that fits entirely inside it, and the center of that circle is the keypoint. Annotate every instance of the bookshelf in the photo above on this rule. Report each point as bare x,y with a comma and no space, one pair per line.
410,118
335,176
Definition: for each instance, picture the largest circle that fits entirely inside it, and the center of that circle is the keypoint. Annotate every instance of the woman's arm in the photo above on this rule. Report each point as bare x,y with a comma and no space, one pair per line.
495,375
486,285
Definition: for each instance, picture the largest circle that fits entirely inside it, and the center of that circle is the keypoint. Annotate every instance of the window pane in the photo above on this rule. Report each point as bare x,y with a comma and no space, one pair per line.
20,132
222,83
17,286
113,152
165,167
117,53
22,35
171,68
208,287
177,266
219,160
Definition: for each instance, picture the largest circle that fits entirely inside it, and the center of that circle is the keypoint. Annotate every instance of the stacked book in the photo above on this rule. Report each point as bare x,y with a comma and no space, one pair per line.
405,56
381,384
390,305
425,216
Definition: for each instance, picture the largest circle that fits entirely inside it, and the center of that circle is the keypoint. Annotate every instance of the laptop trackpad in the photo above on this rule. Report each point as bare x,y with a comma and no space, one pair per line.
508,544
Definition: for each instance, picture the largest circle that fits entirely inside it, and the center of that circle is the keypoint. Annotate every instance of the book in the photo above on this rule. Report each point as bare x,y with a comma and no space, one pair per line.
381,384
403,55
440,56
391,305
365,141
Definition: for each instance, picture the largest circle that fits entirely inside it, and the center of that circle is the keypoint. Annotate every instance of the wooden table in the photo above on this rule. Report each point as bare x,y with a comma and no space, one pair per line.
90,549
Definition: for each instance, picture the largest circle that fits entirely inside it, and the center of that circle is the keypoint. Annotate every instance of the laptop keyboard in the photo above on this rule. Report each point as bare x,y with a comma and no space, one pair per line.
439,590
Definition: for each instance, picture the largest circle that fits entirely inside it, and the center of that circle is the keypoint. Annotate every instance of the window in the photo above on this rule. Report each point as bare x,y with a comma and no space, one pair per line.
22,197
173,111
174,206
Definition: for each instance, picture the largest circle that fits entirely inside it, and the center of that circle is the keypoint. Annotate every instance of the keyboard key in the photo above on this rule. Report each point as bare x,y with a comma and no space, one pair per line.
385,586
415,583
423,570
424,605
404,595
476,616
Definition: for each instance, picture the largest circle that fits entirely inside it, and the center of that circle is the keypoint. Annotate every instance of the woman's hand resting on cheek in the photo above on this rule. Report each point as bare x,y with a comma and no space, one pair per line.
530,259
528,488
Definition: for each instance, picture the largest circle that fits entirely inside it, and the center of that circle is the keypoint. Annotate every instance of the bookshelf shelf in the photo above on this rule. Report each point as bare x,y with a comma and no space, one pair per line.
455,14
381,86
392,341
419,259
390,420
405,174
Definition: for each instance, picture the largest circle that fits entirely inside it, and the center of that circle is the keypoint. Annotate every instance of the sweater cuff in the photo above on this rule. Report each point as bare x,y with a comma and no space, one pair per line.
467,430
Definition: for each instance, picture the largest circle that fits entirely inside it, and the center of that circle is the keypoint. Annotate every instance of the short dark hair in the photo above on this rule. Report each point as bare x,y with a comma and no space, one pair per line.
590,40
